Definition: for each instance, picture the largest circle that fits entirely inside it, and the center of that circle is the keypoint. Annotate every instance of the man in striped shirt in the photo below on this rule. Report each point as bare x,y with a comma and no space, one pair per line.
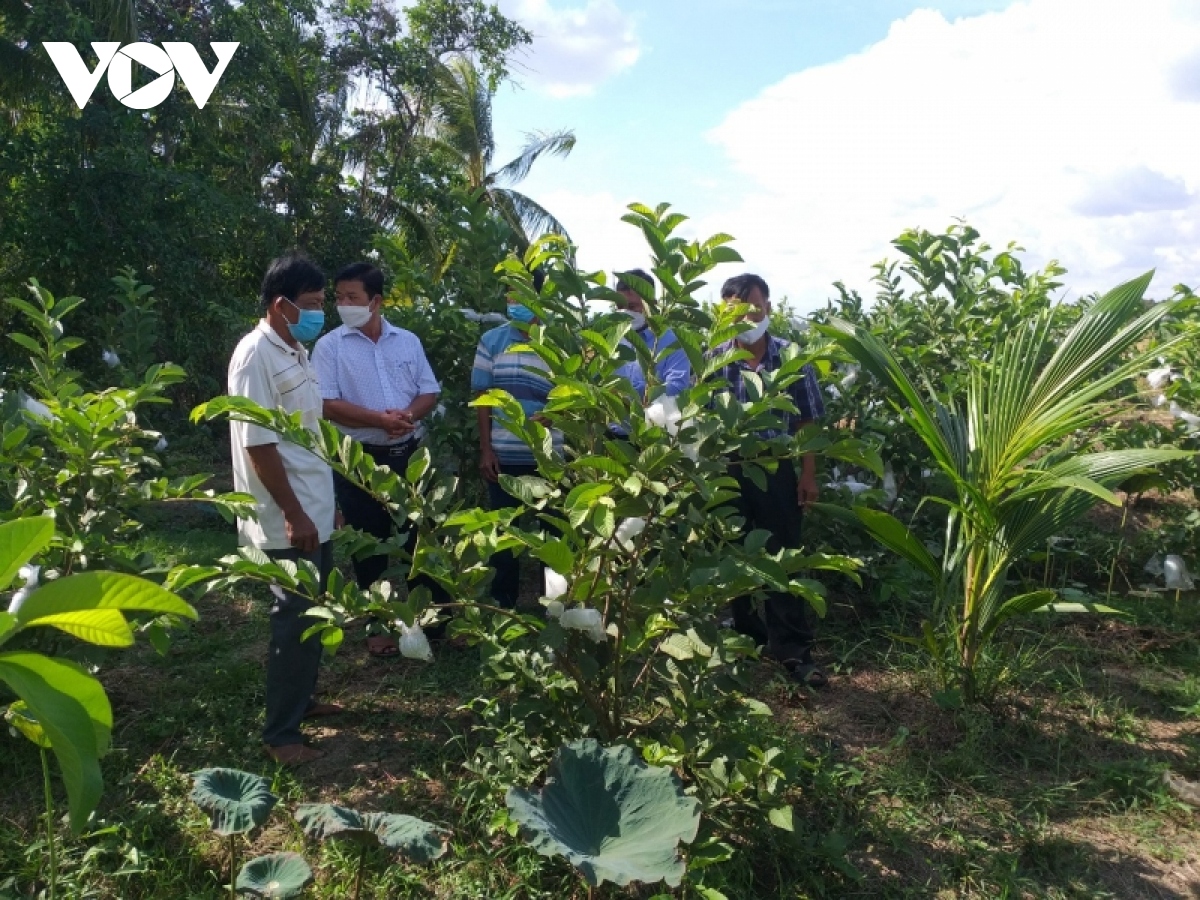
501,452
785,625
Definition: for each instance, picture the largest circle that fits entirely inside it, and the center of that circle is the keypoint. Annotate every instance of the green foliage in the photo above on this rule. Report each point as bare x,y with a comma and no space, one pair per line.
69,705
276,875
614,817
236,801
411,837
637,530
82,456
1017,472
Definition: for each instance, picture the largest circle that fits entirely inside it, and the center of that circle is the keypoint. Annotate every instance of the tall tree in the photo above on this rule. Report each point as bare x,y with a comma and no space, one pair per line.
462,132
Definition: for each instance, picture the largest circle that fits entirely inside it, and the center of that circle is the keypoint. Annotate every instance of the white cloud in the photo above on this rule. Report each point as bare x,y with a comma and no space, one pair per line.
594,222
575,48
1068,126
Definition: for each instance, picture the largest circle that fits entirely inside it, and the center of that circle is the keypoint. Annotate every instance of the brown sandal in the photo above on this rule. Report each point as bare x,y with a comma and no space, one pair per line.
382,645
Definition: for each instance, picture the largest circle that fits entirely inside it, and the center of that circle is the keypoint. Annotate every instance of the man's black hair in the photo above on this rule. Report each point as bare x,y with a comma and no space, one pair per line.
539,278
623,278
290,276
369,275
740,286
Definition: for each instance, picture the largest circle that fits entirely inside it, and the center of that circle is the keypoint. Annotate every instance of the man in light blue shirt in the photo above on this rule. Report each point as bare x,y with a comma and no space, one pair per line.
376,387
671,368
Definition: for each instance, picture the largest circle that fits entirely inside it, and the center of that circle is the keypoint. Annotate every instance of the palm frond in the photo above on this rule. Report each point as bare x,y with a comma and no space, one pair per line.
537,145
529,218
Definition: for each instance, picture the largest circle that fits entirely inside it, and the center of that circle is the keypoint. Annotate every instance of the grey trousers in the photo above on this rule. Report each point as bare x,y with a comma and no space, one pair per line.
292,664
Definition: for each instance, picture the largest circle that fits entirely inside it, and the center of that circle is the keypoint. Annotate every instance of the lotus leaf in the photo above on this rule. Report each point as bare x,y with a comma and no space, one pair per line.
614,817
274,875
235,801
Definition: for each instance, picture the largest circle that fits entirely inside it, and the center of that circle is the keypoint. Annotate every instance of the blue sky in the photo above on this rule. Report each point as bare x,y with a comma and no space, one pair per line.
815,131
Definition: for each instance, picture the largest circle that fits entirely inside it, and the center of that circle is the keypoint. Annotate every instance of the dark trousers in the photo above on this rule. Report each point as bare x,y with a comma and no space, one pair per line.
292,664
506,584
785,624
364,512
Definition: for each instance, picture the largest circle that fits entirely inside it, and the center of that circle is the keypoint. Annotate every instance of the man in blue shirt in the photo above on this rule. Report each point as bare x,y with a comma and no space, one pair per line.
501,452
670,368
785,625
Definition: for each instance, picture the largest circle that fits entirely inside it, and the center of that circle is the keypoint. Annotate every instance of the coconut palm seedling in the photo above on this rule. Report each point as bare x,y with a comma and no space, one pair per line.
614,817
407,836
1010,453
237,802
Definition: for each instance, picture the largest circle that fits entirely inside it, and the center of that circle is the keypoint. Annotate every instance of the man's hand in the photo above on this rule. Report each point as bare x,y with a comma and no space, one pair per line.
541,419
301,532
489,466
396,422
806,489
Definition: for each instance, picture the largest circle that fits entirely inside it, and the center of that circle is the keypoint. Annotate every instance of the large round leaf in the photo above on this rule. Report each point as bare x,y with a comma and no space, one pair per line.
413,838
235,801
614,817
326,820
274,875
416,839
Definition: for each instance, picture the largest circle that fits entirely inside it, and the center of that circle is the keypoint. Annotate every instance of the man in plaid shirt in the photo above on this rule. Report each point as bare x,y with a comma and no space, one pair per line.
785,625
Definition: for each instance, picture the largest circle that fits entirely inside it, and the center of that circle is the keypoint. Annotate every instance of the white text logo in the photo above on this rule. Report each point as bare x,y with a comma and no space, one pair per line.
165,61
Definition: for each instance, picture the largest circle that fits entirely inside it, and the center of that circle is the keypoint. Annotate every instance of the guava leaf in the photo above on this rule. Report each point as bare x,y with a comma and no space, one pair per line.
614,817
235,801
413,838
99,591
20,541
274,875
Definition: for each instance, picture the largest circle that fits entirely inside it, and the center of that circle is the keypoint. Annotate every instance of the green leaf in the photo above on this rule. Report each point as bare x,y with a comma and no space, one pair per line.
103,627
557,555
418,465
277,875
74,712
614,817
236,801
891,532
19,717
20,541
781,817
413,838
327,820
100,590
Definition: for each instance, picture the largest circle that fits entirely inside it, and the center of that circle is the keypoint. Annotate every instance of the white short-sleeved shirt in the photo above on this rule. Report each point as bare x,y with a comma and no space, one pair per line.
386,374
275,375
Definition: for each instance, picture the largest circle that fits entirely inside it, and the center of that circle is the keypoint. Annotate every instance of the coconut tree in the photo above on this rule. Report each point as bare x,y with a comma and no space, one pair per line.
1019,475
25,70
461,130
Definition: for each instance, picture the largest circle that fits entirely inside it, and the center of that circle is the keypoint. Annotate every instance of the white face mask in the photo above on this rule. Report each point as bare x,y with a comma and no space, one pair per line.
639,319
749,337
355,316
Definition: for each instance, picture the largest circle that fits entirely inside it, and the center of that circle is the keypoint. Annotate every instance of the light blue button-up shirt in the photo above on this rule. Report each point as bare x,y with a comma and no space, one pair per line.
672,369
386,374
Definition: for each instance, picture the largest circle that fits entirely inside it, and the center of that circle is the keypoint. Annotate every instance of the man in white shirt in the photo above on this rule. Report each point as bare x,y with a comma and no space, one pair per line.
377,386
292,488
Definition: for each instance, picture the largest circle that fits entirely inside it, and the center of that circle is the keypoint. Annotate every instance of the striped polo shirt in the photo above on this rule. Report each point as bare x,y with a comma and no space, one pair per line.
496,367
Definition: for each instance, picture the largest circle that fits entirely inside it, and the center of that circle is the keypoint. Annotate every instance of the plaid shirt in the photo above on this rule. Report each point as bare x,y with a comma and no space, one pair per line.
805,393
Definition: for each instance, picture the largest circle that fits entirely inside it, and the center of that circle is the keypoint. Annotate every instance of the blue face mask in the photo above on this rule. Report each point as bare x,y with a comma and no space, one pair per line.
519,313
310,324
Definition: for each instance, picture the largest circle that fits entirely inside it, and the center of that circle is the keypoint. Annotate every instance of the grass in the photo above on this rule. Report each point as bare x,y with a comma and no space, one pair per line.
1055,791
